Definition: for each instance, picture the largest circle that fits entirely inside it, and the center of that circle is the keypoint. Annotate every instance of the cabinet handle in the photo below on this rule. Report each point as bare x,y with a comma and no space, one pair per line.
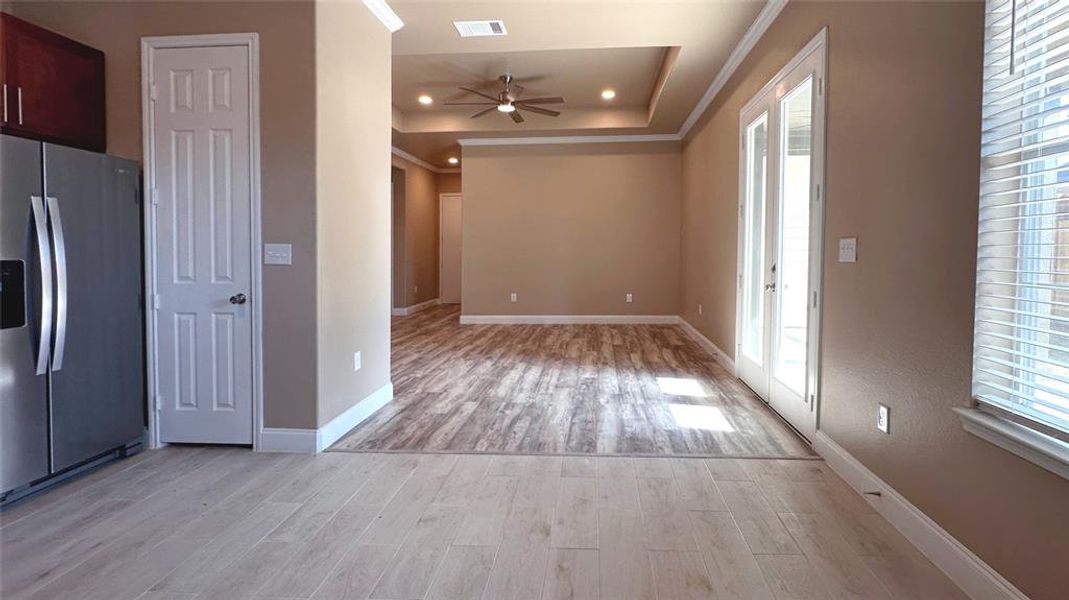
20,104
5,103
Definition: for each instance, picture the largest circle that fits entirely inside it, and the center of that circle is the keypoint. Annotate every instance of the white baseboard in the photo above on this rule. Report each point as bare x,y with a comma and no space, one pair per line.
569,319
721,357
415,308
311,441
964,568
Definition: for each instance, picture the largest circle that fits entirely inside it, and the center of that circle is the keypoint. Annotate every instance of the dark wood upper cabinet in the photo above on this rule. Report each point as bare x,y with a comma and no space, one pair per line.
53,87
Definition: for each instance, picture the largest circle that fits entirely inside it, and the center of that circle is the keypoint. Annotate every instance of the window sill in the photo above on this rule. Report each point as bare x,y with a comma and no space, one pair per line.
1043,450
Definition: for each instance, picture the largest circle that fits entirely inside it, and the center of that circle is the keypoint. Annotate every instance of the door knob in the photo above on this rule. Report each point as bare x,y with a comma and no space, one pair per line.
238,299
770,286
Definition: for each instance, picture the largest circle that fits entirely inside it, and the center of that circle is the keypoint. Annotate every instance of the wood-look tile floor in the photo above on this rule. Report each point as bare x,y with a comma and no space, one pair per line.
230,524
565,389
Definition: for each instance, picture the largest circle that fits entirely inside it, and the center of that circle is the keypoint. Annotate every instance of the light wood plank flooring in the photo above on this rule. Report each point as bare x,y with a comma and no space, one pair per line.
229,524
565,389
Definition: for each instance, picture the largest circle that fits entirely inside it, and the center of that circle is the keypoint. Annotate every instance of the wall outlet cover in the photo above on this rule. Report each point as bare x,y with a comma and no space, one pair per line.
629,298
356,361
513,297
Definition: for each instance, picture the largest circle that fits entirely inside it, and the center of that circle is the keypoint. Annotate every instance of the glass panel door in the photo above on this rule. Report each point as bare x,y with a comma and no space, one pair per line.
792,277
755,252
753,300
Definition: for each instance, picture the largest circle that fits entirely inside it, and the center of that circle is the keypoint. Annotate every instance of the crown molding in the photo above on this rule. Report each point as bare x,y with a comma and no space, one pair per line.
384,13
571,139
419,161
760,25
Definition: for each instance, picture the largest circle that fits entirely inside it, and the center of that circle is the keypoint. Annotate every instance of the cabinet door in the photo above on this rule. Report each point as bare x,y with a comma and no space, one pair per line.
55,87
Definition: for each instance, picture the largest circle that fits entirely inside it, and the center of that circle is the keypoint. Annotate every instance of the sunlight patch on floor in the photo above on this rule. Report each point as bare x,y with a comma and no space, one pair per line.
709,418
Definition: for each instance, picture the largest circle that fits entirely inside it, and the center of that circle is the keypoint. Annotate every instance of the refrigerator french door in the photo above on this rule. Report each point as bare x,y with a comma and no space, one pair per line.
71,344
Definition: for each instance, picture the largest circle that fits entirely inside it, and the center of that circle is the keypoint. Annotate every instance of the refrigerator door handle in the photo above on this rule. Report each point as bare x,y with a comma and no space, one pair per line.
59,250
44,255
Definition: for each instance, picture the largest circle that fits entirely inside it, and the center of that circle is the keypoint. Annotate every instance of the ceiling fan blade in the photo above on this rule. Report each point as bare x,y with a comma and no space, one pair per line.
483,112
516,116
469,104
478,93
539,110
546,100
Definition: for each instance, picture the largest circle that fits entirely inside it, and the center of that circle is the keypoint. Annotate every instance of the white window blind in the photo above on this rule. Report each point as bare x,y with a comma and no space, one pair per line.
1021,352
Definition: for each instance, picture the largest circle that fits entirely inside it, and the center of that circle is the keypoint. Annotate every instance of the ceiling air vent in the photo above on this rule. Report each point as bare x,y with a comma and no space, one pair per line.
480,28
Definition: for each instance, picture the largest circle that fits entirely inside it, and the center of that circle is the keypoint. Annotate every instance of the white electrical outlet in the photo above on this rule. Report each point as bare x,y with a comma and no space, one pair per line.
699,309
883,419
513,297
629,298
415,289
356,361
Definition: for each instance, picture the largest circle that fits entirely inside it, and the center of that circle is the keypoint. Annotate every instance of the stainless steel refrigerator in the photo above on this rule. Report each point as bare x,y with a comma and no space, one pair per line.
71,341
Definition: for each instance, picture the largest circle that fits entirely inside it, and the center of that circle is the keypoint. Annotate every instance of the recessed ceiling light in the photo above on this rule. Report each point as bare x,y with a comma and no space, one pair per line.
426,100
608,94
506,108
453,160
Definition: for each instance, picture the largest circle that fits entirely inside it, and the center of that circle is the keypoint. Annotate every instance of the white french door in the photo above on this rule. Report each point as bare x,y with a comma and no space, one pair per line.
780,238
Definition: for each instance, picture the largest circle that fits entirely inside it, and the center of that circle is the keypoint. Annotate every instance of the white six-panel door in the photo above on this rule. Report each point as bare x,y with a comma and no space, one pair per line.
202,230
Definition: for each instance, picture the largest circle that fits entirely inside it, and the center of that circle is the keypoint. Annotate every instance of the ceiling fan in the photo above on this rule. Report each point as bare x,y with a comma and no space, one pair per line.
508,101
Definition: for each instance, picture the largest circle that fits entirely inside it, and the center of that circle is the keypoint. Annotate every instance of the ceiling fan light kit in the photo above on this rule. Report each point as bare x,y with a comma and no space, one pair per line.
508,101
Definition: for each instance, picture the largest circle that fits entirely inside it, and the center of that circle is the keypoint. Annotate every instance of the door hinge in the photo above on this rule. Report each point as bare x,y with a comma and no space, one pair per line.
818,192
155,301
740,281
820,86
157,405
152,91
812,399
740,210
814,299
155,196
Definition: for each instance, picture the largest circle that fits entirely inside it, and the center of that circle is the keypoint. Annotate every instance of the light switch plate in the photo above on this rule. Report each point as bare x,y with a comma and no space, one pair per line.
629,298
356,361
278,254
848,250
883,419
513,297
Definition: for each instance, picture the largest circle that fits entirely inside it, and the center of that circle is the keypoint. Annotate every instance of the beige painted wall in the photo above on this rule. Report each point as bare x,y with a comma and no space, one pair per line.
571,229
420,234
903,145
397,237
287,148
448,183
353,203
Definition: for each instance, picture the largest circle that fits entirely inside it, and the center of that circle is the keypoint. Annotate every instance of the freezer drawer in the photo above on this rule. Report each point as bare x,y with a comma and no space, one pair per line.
23,392
97,372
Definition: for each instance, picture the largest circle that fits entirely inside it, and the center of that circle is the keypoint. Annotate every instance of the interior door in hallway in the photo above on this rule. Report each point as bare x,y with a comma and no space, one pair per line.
449,281
203,228
780,233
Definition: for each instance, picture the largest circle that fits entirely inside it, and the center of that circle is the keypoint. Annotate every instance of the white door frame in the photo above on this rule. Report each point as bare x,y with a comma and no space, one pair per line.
819,43
440,245
148,46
